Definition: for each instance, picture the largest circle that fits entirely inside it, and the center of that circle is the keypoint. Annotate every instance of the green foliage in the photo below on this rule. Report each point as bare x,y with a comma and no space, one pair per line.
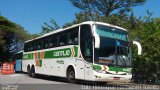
148,33
32,36
106,7
84,16
46,28
12,37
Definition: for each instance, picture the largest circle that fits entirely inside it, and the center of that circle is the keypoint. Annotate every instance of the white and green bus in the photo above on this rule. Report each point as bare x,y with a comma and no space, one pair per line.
92,51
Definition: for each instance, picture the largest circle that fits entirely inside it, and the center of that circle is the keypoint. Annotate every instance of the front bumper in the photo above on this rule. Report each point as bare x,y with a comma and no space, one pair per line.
111,77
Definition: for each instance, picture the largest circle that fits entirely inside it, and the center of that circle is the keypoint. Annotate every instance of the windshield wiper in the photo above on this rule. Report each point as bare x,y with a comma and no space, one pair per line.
122,59
118,56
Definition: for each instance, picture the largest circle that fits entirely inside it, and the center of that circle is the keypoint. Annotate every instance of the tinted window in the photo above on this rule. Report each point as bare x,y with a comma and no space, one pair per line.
72,36
63,39
86,43
68,37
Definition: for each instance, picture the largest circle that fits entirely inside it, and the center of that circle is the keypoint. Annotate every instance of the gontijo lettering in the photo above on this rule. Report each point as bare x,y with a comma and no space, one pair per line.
62,53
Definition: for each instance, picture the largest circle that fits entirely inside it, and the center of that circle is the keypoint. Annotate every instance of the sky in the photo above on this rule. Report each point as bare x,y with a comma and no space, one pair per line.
31,14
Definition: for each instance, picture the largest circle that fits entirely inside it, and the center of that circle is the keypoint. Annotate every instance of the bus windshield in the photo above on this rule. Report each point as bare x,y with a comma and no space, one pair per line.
111,32
114,51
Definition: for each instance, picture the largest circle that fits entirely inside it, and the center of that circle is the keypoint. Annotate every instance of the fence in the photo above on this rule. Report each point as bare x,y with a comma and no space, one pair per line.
7,68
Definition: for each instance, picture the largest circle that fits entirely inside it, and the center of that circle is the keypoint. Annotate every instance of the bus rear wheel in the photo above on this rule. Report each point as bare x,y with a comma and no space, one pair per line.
71,75
32,72
28,70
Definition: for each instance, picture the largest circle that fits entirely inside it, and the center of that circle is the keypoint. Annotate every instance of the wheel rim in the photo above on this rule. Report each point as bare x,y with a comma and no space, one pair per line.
28,70
71,75
32,73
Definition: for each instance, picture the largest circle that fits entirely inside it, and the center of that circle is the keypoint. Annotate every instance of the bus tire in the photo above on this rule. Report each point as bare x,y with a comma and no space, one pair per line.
32,72
28,69
71,75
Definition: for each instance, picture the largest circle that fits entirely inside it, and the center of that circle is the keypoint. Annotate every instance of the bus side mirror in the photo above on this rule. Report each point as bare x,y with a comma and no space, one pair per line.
97,41
138,46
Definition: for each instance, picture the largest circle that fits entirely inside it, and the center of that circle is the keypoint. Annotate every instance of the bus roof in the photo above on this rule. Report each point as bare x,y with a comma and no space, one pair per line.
19,52
87,22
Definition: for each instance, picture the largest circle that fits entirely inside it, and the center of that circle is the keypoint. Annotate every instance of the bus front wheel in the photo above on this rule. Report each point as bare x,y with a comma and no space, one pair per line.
71,75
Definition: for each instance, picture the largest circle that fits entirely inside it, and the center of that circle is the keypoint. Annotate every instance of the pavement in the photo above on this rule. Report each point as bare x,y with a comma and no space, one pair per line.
22,81
25,79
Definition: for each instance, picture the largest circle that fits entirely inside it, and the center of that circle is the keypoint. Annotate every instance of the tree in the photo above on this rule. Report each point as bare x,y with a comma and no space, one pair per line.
46,28
148,33
108,11
106,7
84,16
12,37
119,19
32,36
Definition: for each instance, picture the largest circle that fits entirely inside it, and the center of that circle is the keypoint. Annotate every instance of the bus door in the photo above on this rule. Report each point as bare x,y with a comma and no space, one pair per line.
86,46
88,56
80,68
88,71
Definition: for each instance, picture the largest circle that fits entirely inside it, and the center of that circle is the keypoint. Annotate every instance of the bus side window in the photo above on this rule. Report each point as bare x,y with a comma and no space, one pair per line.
57,41
26,47
75,41
72,36
51,43
46,42
39,44
62,44
63,39
32,46
69,40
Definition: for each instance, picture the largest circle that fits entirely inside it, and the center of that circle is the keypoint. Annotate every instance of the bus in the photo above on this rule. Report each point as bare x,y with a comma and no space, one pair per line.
17,57
91,51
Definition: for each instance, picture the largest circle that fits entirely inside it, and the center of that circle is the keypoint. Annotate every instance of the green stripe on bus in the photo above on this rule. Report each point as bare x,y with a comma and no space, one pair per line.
76,51
97,67
39,56
28,56
111,68
59,53
120,69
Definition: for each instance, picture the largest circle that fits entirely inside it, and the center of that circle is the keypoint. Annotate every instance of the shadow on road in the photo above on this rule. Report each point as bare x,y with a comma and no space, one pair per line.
81,82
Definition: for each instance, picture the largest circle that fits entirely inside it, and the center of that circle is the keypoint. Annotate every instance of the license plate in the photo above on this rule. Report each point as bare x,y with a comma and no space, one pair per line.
116,78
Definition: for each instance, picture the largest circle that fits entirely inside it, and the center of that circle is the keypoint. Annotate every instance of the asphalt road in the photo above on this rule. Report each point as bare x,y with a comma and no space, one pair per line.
25,79
24,82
